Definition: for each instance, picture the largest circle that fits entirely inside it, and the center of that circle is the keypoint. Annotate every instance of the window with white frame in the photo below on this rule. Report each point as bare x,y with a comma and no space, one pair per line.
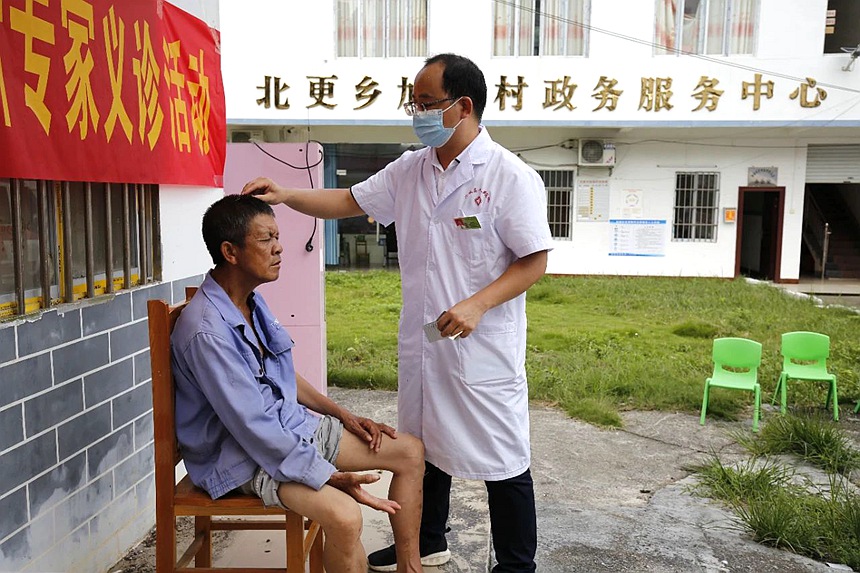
381,28
714,27
61,241
540,27
559,201
697,198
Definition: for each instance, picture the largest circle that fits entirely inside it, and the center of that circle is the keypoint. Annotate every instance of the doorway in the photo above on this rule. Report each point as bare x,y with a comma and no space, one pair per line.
759,233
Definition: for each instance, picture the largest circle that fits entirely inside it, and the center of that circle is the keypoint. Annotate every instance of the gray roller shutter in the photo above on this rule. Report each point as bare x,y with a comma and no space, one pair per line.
833,164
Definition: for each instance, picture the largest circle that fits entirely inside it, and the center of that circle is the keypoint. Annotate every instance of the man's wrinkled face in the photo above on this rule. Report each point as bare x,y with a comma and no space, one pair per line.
260,256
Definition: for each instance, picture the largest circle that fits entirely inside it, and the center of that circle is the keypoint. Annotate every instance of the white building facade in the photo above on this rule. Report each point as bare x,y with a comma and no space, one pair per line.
676,137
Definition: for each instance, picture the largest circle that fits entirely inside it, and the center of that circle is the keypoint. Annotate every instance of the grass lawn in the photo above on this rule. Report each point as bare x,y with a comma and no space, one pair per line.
600,345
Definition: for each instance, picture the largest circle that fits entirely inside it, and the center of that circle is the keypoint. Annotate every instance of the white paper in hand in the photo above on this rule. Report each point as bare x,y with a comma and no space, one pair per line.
431,331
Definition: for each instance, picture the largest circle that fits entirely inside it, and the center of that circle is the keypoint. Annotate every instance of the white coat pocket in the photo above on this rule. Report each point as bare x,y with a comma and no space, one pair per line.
471,242
490,355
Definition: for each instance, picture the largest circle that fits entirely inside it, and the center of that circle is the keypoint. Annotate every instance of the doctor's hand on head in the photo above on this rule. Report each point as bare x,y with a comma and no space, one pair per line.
265,189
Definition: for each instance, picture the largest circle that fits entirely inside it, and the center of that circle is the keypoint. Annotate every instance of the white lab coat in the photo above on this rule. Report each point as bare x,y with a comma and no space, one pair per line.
466,398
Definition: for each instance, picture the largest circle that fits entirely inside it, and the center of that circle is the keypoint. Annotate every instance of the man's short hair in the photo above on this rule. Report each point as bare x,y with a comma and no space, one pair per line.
462,77
228,219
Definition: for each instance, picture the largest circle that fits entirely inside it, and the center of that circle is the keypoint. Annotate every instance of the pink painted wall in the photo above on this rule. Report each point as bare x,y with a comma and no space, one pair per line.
298,297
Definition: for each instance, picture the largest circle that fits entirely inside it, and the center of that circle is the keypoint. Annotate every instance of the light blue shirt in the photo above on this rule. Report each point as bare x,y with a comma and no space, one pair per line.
236,409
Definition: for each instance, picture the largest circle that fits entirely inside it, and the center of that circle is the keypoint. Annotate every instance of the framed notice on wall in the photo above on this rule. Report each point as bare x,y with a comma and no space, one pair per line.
592,200
638,238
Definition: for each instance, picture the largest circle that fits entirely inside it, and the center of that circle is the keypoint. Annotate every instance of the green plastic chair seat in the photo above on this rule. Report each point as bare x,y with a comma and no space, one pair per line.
736,362
805,358
806,372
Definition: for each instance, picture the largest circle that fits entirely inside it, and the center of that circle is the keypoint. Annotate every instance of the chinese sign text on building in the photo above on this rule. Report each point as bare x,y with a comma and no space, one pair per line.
655,93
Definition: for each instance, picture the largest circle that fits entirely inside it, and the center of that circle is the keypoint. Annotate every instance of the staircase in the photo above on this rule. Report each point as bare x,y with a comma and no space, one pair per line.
843,253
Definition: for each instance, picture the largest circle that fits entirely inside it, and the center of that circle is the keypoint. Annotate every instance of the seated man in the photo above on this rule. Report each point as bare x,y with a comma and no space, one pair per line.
242,411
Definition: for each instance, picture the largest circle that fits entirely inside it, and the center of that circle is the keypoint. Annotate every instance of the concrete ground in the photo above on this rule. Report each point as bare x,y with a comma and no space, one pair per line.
607,500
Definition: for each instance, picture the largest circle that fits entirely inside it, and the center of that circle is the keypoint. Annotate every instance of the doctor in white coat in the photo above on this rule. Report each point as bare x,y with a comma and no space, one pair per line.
472,237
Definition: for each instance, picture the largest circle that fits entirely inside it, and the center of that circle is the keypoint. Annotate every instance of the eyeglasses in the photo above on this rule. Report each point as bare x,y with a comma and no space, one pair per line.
411,108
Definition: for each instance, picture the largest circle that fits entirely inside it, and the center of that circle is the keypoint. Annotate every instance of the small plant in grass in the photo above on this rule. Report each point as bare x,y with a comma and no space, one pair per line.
818,524
740,483
777,508
819,441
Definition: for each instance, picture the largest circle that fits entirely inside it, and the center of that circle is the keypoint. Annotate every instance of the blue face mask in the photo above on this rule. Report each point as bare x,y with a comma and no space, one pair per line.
430,130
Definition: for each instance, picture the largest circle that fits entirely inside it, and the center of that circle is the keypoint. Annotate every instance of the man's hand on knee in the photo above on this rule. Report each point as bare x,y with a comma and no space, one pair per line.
368,430
351,482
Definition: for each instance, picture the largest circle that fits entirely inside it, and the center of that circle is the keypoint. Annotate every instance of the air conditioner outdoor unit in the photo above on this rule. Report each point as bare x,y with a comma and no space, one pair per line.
596,152
246,135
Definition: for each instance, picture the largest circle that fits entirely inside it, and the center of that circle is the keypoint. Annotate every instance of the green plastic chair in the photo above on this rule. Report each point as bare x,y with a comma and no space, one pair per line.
805,358
736,362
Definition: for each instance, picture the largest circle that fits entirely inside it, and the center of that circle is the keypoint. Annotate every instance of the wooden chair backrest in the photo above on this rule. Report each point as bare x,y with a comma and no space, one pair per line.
162,319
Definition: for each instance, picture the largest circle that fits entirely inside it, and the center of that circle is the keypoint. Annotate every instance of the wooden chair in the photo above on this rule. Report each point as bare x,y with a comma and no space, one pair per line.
303,536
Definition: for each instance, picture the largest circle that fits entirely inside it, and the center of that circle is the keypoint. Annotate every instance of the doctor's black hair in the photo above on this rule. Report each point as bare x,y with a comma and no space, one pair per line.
462,77
228,219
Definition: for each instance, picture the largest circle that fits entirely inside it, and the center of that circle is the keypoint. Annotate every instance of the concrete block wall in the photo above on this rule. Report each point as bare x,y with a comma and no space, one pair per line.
76,452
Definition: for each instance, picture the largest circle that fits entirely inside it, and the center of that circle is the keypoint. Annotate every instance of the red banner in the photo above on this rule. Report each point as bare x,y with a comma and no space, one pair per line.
110,90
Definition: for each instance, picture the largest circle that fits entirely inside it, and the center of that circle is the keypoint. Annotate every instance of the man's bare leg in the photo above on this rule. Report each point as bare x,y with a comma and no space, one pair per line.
404,458
340,518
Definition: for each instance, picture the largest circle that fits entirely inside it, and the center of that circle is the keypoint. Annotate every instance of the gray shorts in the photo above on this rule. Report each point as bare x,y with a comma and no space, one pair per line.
326,439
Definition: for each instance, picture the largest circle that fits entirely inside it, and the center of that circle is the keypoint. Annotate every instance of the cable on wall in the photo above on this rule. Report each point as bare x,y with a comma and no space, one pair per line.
309,246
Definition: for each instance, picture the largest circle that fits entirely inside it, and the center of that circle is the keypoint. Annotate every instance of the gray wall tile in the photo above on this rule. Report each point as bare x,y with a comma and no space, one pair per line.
108,382
54,406
134,468
82,505
73,360
80,432
16,551
140,296
143,431
73,552
13,508
7,343
142,367
26,377
107,313
105,454
51,329
11,426
179,286
21,464
145,493
47,490
114,517
130,405
129,339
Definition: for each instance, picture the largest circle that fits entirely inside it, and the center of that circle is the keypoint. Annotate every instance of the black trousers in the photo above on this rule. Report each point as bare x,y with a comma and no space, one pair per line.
512,518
